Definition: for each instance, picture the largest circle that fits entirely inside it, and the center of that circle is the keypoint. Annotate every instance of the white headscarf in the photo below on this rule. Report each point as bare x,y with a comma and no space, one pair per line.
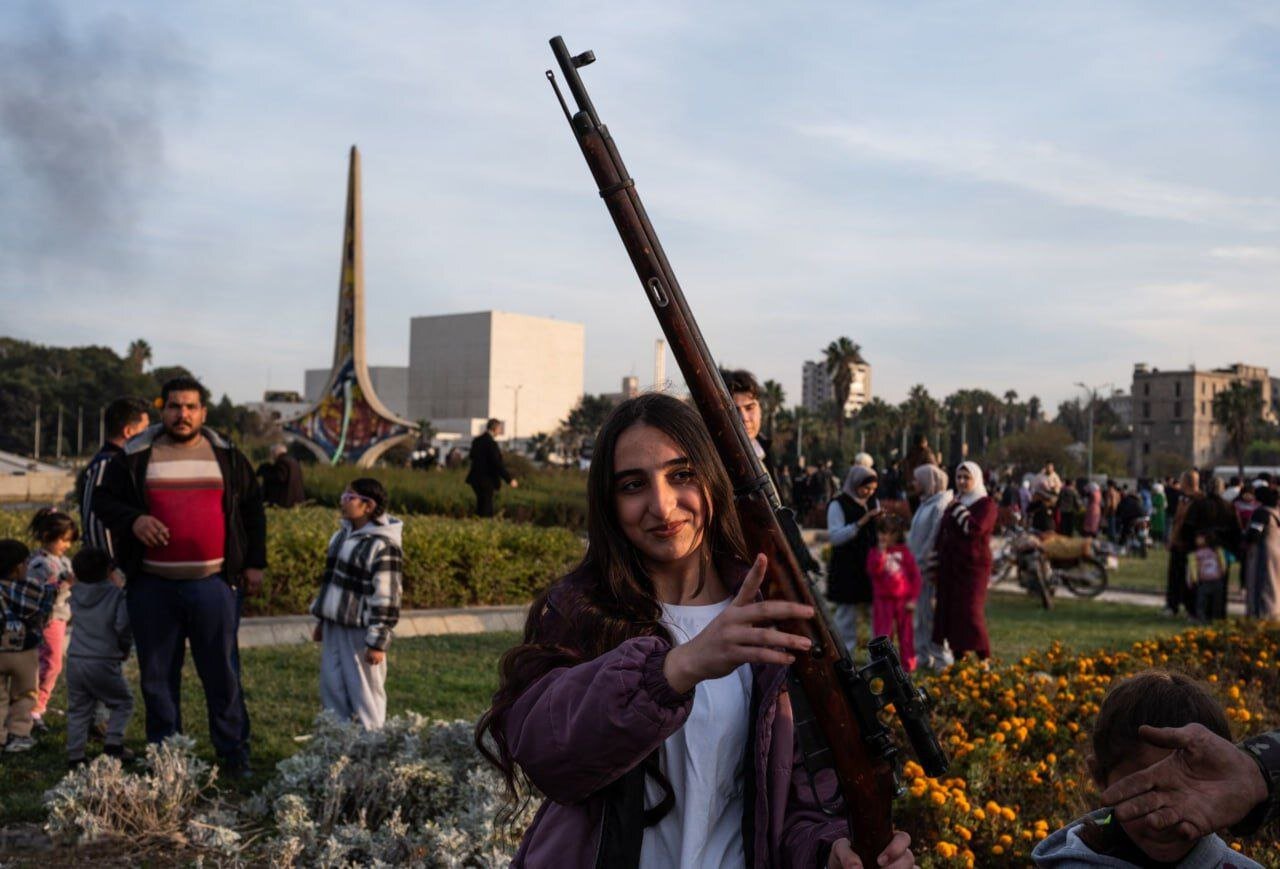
865,460
979,491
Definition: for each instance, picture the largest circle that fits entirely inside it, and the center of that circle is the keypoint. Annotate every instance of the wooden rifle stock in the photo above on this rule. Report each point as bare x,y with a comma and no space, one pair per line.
841,699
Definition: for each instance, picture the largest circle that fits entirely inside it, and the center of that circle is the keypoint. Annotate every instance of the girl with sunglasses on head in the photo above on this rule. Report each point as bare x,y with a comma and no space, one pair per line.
648,701
358,605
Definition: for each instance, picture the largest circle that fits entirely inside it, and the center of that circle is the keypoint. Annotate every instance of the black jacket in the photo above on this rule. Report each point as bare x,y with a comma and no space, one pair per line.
282,481
122,498
487,469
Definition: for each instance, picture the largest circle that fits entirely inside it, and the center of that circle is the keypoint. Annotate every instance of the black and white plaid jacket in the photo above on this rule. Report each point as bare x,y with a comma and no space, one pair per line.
362,579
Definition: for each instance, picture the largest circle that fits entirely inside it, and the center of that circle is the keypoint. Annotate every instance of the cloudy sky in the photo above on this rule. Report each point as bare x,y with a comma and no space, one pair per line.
988,194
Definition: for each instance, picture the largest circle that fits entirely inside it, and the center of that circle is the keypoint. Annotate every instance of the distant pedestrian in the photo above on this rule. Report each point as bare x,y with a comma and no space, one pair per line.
1206,578
1092,522
1159,513
745,391
54,533
186,517
931,485
100,642
282,479
25,605
358,605
1069,505
124,418
1181,539
852,531
1262,557
487,469
964,566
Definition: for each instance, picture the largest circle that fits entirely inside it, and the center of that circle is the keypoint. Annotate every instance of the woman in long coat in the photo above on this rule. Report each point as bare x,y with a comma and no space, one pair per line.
1092,509
1159,512
1262,558
964,566
931,489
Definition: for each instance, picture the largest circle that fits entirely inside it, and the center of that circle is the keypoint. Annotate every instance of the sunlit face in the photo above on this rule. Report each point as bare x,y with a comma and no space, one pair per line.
867,489
1165,846
964,481
659,499
356,508
61,545
183,415
749,409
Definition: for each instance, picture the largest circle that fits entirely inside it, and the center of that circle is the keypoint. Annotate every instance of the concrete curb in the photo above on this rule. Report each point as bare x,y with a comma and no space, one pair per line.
293,630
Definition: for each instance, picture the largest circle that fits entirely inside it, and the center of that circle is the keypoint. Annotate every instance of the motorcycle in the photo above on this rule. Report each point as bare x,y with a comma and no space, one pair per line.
1041,566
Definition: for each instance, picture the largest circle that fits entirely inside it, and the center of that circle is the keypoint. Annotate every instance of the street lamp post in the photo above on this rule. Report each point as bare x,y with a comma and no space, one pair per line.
1093,400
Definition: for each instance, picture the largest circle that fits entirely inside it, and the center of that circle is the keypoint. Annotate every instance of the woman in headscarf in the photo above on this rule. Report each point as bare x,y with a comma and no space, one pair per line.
1262,558
851,528
964,565
931,489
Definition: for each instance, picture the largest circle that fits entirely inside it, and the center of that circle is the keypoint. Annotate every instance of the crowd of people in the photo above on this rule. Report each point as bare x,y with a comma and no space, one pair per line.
649,699
174,539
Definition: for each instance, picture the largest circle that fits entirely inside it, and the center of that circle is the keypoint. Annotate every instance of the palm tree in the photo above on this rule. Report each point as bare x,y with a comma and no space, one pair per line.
839,355
1010,408
138,355
1237,408
772,400
921,411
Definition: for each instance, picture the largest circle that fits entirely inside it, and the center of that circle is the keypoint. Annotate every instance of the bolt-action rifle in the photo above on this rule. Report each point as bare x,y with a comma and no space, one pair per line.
838,708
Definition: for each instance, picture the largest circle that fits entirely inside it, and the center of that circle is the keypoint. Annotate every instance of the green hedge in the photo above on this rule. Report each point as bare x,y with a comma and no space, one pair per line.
447,562
551,498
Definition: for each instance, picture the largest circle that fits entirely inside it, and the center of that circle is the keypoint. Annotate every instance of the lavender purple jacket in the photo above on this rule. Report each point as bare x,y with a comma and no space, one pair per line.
576,730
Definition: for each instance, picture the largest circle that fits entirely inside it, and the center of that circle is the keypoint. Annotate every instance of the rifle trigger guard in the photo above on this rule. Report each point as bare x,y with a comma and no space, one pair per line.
615,188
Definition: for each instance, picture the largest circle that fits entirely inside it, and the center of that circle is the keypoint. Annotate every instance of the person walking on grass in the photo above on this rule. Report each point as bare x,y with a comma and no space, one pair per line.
358,605
100,643
487,470
124,418
54,533
25,604
186,518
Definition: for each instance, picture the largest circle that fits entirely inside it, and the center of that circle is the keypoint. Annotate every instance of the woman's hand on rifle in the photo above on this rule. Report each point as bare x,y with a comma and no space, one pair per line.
897,856
738,636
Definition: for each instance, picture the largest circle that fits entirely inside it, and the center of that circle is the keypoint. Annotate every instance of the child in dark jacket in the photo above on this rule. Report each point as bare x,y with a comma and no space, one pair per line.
25,604
895,585
100,642
1155,698
359,605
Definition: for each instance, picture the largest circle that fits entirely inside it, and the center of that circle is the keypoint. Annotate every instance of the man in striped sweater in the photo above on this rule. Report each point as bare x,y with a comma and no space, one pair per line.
189,530
124,418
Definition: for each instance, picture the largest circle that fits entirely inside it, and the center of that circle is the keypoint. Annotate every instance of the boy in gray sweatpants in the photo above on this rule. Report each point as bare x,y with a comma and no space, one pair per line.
359,605
100,640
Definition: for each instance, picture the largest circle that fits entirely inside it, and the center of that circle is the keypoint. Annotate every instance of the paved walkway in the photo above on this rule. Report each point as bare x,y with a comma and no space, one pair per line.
289,630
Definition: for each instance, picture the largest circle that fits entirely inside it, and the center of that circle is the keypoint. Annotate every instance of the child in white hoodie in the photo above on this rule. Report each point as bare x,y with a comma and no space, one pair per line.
358,605
1159,699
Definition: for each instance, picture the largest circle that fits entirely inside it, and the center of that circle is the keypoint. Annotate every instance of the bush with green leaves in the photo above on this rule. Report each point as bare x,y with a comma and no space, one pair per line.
447,562
547,497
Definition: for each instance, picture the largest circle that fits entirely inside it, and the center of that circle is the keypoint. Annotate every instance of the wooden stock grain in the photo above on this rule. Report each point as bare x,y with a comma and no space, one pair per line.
865,779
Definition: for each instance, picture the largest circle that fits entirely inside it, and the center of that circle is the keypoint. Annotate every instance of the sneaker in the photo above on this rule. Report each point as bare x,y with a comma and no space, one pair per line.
38,725
1168,612
235,769
19,743
125,753
98,731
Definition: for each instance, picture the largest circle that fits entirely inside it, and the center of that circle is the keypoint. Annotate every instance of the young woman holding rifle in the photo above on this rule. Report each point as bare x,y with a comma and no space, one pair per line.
648,701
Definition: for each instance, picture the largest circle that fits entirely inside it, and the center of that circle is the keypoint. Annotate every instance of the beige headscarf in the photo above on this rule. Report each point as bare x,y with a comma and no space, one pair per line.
858,475
930,480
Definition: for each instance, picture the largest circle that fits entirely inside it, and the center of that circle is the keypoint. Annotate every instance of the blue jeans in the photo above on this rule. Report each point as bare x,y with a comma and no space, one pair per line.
166,615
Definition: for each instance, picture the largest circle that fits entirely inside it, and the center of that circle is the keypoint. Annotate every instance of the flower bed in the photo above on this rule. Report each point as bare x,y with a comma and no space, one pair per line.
1018,736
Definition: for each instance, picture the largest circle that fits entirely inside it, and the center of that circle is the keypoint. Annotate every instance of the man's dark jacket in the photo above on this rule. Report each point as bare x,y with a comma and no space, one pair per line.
487,470
122,498
282,481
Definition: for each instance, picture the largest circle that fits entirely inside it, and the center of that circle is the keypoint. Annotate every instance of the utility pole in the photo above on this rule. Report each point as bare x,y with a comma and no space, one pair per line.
102,425
36,445
58,446
80,430
1093,400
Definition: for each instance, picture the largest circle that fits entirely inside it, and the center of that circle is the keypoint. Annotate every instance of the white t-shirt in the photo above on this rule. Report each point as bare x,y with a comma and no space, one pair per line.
704,762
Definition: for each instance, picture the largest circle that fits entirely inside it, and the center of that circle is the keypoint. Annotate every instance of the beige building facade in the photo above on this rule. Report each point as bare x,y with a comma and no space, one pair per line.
817,389
524,370
1173,412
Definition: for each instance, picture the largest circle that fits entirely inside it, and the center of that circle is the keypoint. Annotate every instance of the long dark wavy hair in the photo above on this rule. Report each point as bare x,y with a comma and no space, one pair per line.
609,598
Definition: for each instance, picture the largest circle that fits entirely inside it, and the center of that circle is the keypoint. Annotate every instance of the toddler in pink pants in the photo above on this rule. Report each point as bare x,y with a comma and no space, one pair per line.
895,585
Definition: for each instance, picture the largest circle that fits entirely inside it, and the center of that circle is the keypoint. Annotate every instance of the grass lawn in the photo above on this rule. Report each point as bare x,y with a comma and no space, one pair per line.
1143,574
454,676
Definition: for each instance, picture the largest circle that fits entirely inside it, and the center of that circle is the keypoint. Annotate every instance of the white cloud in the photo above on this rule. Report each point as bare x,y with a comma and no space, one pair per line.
1047,170
1247,254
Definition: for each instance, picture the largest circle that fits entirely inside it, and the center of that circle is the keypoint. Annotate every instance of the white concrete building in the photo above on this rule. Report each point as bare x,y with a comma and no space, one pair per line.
390,382
817,388
526,371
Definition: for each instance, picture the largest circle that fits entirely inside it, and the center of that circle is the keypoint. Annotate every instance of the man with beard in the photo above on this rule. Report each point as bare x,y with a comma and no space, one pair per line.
185,514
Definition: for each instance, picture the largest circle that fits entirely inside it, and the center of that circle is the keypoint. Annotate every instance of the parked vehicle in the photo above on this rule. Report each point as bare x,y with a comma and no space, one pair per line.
1078,563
